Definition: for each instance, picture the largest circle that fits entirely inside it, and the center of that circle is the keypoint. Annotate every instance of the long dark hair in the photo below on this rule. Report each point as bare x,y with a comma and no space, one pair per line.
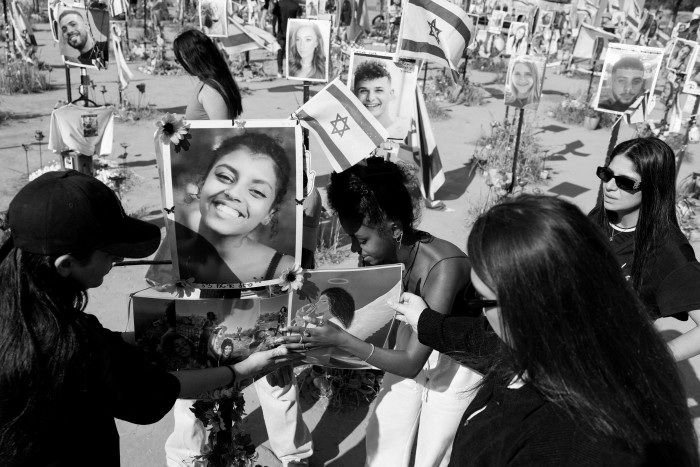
374,192
574,330
319,59
655,162
200,57
42,345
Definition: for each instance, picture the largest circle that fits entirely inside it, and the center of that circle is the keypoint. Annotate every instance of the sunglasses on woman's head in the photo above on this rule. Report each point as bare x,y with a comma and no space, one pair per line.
622,182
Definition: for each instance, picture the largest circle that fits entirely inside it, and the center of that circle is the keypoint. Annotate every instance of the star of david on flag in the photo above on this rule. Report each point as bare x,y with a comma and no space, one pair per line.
434,30
346,130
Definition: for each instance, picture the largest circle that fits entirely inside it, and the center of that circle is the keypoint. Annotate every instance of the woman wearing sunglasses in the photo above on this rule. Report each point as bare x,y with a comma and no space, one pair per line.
638,216
581,377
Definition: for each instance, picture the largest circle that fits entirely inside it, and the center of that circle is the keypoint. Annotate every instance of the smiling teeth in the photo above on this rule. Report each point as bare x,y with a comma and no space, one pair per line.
228,210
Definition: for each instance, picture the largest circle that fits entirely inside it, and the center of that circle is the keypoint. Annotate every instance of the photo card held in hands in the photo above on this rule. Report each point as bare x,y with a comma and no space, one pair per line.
354,300
193,333
232,196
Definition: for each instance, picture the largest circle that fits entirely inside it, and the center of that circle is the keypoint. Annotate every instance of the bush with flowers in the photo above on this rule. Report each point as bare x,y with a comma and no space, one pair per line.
573,110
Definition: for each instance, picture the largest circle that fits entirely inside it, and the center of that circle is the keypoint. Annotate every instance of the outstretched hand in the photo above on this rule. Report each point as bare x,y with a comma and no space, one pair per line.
265,362
323,334
409,308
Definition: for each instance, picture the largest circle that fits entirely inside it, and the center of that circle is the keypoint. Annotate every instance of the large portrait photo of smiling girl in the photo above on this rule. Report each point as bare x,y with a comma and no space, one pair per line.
232,216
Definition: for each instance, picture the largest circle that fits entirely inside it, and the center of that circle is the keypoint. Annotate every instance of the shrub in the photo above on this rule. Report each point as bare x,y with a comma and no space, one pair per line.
20,77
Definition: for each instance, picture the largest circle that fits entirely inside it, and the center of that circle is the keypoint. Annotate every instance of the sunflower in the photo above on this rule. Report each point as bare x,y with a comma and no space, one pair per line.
172,130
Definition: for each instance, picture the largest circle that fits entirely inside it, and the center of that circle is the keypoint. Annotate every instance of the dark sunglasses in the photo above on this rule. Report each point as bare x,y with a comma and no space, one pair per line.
476,305
622,182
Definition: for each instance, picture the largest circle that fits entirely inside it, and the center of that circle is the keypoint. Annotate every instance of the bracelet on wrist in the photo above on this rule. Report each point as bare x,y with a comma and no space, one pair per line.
371,352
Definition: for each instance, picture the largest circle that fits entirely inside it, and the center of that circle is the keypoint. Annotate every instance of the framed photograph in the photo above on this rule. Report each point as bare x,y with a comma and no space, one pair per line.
692,78
592,43
186,334
232,220
83,36
308,50
496,21
26,42
213,17
386,88
628,72
524,81
355,300
545,19
682,51
517,41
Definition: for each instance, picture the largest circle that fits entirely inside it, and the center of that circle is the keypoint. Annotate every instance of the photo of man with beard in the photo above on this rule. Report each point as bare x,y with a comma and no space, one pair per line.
77,39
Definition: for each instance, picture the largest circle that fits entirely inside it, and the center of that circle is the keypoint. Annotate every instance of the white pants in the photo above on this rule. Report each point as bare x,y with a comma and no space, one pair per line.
431,405
289,436
188,439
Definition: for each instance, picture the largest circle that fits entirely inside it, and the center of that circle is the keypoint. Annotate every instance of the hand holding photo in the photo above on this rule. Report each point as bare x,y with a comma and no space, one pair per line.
628,72
308,50
334,305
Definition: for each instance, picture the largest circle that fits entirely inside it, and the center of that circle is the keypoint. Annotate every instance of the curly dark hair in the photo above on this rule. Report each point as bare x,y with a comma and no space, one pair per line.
374,192
368,71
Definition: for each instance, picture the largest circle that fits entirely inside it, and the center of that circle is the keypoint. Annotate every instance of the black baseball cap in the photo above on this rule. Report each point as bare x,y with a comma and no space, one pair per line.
69,212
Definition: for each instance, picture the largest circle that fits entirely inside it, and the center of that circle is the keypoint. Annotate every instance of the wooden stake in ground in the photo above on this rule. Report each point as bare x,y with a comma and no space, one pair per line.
521,117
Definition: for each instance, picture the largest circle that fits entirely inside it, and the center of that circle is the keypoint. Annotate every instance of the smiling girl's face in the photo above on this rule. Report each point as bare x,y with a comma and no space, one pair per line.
238,193
523,80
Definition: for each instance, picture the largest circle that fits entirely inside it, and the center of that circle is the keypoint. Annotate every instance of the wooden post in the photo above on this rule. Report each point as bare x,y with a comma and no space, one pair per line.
305,132
521,117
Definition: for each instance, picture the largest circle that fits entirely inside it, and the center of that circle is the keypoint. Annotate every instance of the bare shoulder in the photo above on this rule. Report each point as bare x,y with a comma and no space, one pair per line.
437,250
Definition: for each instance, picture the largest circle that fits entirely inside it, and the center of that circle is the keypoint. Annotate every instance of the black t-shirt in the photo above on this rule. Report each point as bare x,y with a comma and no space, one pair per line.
121,384
671,281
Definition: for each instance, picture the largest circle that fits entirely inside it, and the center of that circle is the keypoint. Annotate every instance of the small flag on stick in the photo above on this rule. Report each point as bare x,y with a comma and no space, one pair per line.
347,131
434,30
433,177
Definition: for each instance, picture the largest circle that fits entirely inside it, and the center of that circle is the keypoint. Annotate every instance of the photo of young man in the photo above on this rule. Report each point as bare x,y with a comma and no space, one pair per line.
385,89
79,38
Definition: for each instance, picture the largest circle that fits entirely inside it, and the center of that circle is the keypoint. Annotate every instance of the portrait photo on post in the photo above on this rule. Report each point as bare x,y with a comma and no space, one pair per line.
523,87
232,219
213,18
352,299
311,9
496,21
190,333
386,88
308,50
692,78
83,36
628,72
680,58
517,41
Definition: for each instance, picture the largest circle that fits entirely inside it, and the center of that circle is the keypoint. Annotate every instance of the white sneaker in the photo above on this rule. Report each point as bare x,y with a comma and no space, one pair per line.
279,75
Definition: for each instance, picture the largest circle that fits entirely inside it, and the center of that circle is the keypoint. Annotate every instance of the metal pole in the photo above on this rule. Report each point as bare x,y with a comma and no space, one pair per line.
611,145
145,15
305,132
590,82
517,147
68,91
425,76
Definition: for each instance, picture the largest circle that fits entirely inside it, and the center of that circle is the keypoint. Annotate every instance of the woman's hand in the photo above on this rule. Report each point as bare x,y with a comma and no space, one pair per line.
325,334
409,307
264,362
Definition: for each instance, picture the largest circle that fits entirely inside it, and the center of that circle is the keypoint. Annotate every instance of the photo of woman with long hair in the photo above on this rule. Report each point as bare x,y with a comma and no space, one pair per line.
227,204
307,50
517,39
680,56
217,96
524,82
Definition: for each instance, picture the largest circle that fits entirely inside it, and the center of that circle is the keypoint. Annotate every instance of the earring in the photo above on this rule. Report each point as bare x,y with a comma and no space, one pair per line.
399,238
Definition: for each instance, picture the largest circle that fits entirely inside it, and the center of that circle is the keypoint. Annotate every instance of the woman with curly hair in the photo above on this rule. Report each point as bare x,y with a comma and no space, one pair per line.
424,392
307,57
638,215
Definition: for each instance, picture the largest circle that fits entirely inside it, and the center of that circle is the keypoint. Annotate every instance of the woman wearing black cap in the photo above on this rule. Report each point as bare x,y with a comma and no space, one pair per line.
62,375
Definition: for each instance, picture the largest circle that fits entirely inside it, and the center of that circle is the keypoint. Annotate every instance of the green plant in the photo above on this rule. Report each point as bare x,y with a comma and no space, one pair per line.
129,113
21,77
327,247
435,111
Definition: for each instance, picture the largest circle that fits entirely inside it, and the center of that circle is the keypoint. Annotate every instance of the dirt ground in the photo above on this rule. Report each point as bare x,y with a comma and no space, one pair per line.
574,152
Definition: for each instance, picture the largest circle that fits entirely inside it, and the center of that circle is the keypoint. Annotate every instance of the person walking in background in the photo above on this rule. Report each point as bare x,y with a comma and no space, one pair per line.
287,9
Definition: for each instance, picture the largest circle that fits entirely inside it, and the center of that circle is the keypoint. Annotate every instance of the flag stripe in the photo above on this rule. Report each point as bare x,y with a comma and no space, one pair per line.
424,47
445,15
340,158
356,114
